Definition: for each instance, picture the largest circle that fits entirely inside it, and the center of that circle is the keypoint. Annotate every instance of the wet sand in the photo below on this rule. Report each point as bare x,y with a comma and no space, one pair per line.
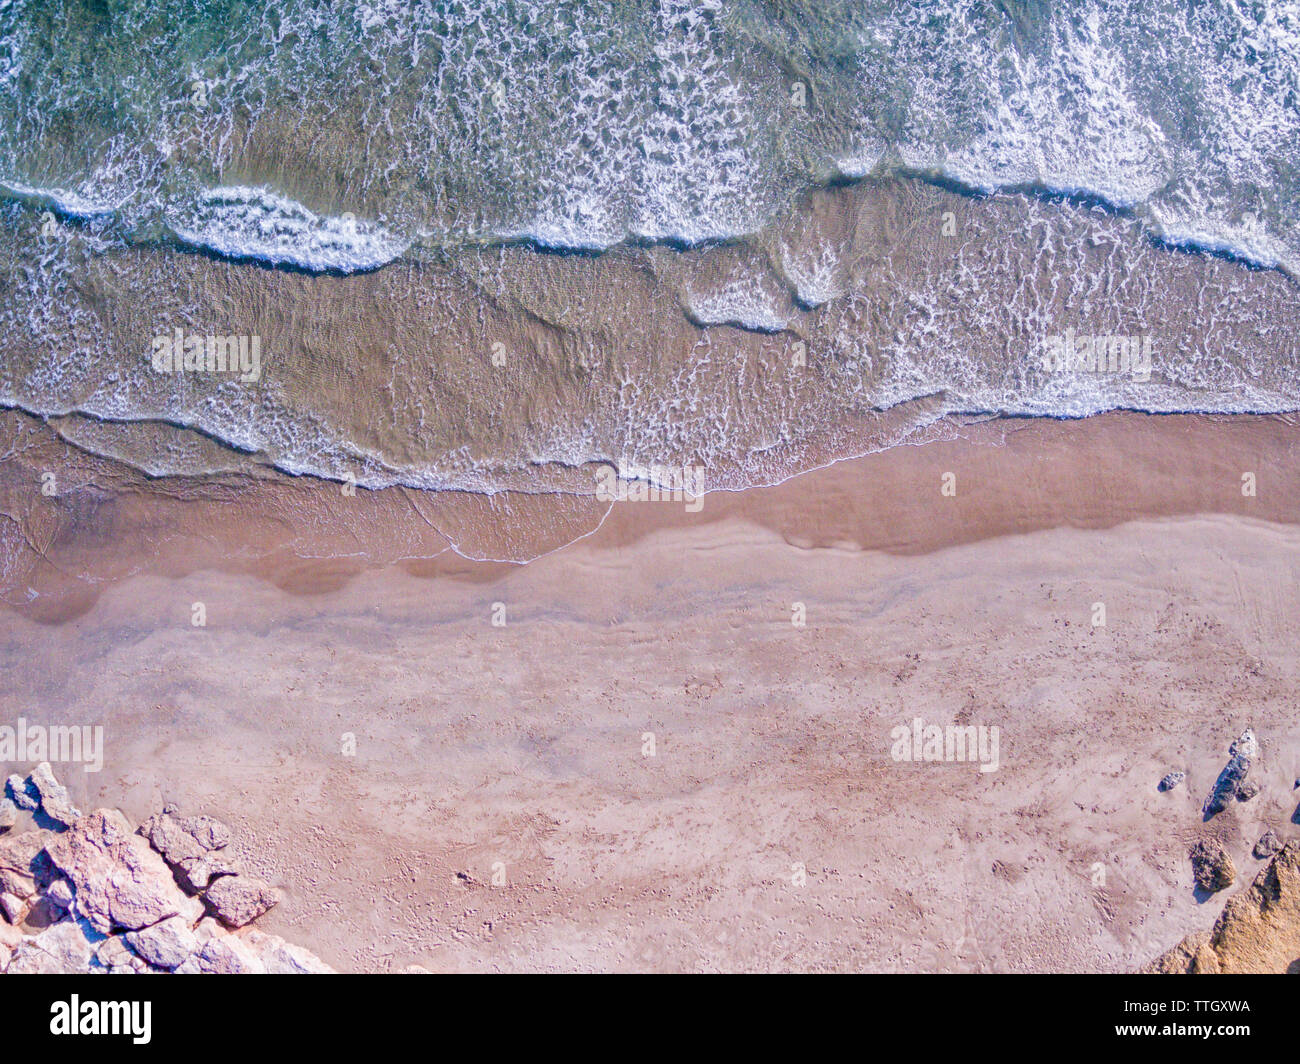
518,750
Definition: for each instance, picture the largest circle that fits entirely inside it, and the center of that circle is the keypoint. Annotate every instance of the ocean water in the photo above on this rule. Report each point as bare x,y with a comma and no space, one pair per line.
647,204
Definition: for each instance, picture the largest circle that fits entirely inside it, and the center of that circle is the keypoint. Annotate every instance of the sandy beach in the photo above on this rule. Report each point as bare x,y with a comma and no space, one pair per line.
646,764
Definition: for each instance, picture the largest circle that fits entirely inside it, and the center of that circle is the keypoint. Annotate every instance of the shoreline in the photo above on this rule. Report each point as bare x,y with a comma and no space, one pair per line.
1013,475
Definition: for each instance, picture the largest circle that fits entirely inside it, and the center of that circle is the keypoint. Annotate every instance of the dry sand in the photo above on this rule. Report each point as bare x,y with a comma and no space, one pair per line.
519,749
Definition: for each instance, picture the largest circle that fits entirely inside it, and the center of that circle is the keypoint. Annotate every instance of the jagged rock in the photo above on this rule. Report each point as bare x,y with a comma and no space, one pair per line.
13,907
119,880
9,935
1245,745
8,814
113,952
209,928
209,832
22,793
166,944
21,862
282,958
42,912
97,877
239,900
63,948
190,845
10,939
1258,930
1211,866
190,966
1172,780
28,959
1240,757
61,893
288,959
1269,843
1247,791
55,800
228,955
21,885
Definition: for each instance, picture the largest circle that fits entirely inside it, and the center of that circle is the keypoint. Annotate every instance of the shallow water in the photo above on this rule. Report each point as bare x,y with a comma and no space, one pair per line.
371,190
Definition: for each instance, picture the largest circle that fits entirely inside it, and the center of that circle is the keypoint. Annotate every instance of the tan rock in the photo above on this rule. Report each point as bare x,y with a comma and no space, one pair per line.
190,846
1258,930
21,861
1212,868
13,907
9,935
166,944
66,947
1269,843
113,952
119,881
283,958
239,900
61,893
55,800
22,793
228,955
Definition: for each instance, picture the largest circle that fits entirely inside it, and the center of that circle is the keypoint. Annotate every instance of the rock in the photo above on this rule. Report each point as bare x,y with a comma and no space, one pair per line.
113,952
196,874
169,838
239,900
43,913
288,959
1258,930
22,793
8,814
23,863
189,846
28,959
207,831
9,935
13,907
1245,745
1269,843
60,892
119,881
189,967
1211,866
282,958
54,797
228,955
1241,754
1247,791
166,944
66,947
1172,780
208,928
